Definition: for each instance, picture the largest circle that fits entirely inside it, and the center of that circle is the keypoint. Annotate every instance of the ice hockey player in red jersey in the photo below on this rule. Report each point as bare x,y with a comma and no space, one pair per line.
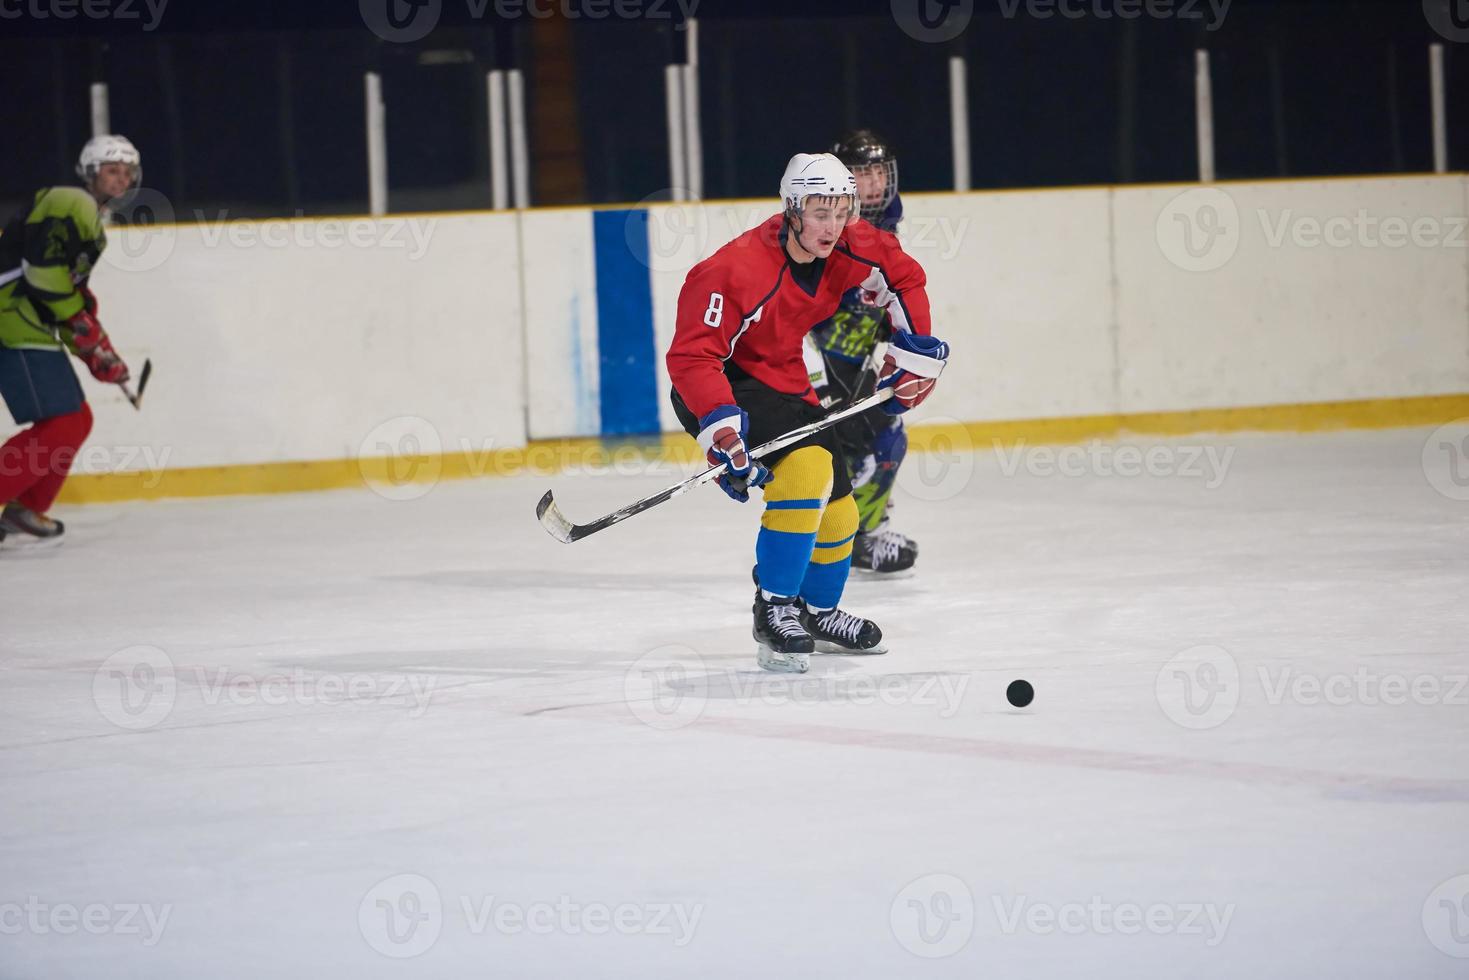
739,379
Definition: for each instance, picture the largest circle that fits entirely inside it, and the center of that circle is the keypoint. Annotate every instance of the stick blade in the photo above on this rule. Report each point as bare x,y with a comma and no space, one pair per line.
143,378
553,520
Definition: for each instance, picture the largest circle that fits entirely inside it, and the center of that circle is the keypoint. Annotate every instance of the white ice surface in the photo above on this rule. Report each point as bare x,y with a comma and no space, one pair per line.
789,819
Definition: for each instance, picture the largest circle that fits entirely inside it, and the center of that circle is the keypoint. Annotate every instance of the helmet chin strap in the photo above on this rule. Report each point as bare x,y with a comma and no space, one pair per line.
797,228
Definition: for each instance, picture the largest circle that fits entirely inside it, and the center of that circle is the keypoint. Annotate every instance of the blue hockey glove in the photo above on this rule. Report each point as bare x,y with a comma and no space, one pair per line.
911,367
722,437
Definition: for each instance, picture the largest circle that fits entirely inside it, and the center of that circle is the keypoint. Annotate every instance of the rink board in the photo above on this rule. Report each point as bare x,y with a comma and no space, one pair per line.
298,355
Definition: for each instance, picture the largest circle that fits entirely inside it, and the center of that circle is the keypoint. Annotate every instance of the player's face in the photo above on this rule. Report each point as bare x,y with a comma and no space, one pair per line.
113,179
822,223
872,184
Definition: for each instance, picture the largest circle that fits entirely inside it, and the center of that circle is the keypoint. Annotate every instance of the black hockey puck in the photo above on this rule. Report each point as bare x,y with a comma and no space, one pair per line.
1020,693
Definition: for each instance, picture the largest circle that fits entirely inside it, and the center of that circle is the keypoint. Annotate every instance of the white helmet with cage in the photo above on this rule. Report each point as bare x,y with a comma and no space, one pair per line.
815,175
109,149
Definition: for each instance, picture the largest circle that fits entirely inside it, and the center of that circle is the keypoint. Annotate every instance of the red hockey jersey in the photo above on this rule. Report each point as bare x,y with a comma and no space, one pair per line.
744,305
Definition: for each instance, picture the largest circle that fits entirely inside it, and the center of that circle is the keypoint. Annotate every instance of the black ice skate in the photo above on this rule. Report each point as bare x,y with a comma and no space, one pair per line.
783,641
840,632
883,551
19,519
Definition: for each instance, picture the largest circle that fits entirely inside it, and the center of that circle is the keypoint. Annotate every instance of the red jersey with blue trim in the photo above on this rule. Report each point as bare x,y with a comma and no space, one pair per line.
751,306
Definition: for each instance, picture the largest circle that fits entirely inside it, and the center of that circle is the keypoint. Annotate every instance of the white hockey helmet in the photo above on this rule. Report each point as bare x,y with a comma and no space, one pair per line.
109,149
818,175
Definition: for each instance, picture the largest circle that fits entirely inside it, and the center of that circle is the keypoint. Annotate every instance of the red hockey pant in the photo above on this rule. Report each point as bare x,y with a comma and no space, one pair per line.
35,461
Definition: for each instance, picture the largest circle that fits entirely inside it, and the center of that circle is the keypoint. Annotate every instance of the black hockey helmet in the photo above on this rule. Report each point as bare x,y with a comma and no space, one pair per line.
867,154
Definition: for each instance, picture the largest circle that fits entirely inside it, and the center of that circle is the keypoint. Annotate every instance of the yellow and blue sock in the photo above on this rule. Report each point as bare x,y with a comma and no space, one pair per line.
795,499
831,558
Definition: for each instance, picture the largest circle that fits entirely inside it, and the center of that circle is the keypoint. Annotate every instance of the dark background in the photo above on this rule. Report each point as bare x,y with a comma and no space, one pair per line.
258,108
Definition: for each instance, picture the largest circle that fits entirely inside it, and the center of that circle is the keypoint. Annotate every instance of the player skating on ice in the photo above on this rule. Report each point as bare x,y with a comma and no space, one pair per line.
47,254
840,363
739,379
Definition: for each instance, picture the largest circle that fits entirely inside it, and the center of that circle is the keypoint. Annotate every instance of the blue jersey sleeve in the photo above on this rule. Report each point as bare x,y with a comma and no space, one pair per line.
889,219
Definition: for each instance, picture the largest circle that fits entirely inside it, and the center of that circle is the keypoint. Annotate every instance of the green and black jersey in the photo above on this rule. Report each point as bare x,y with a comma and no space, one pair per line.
47,251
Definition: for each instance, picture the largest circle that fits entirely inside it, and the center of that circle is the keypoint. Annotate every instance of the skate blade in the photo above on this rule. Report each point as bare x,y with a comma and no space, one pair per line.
782,663
825,646
22,543
868,573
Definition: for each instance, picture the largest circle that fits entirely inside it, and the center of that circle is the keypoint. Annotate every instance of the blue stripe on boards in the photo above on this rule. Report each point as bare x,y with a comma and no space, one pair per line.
629,378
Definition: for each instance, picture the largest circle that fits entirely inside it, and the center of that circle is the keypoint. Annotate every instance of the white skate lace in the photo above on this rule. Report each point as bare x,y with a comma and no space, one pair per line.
785,620
842,625
885,547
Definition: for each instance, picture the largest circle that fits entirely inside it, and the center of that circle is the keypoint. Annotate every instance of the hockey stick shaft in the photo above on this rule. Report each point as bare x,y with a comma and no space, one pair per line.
143,376
564,530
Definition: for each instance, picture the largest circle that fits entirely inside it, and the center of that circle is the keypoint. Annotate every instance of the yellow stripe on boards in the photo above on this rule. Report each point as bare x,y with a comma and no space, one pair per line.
672,454
1380,413
675,454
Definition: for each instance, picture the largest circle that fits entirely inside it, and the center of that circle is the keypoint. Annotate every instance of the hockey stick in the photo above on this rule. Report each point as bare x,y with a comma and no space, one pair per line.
566,532
137,399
